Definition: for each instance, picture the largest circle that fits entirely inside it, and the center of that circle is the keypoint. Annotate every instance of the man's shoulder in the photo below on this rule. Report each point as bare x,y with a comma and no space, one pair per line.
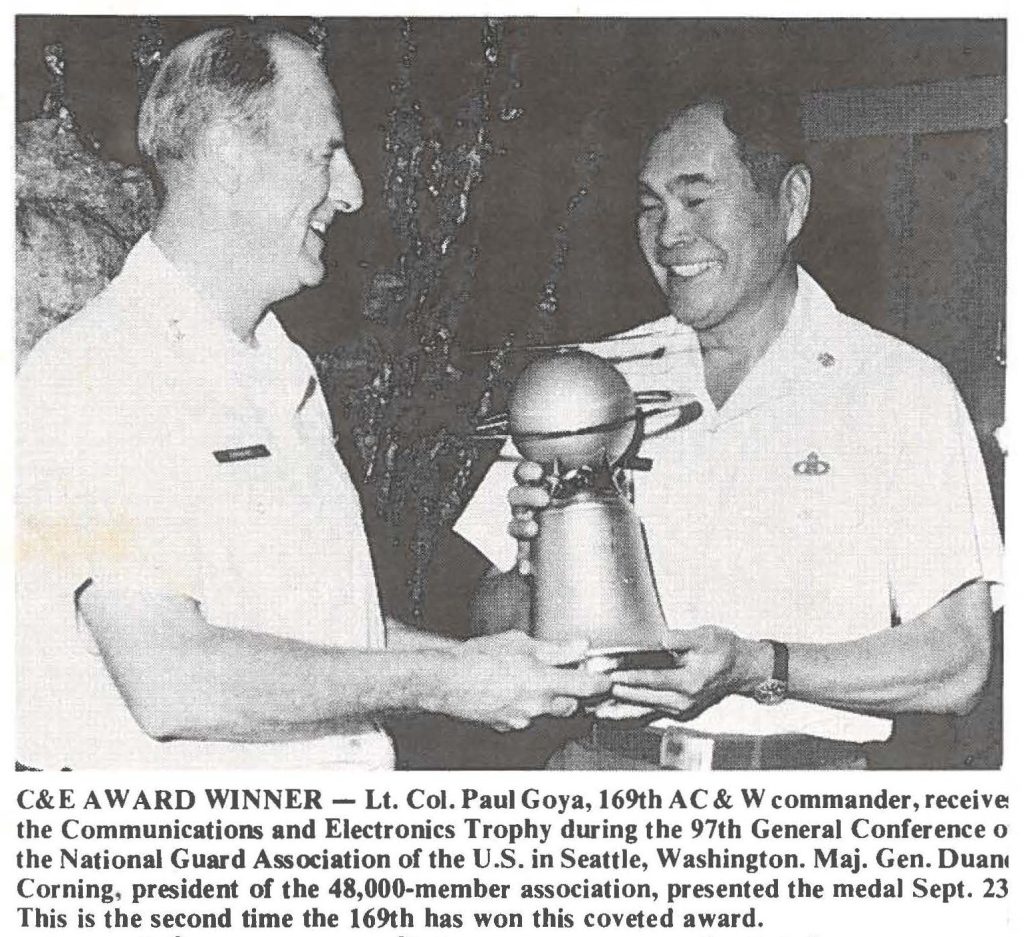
102,358
867,353
886,361
91,327
653,354
653,329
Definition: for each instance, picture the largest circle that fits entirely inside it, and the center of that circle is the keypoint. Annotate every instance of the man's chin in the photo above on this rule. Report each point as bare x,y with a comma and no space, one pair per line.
311,274
686,310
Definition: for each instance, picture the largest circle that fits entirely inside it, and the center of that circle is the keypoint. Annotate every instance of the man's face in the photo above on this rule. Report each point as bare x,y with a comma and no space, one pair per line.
301,176
713,242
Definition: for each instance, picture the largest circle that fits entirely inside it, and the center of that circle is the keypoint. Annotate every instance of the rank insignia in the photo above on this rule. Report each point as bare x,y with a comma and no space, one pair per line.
812,465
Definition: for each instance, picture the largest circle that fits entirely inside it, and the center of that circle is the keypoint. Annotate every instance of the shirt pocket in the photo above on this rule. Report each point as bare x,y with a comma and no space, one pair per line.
792,519
236,515
243,487
828,506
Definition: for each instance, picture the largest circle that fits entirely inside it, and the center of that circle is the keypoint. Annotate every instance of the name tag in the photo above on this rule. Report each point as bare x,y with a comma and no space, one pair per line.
259,451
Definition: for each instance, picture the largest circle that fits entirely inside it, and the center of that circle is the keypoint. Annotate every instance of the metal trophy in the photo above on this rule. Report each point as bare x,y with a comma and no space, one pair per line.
576,415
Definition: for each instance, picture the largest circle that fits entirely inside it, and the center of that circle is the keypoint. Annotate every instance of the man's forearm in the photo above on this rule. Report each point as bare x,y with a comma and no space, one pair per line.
936,663
403,637
183,678
254,687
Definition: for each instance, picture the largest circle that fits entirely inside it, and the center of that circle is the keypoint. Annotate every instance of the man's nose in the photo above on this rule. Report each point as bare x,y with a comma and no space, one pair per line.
676,227
346,189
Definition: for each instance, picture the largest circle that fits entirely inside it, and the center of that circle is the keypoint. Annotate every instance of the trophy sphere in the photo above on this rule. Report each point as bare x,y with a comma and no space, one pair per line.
572,406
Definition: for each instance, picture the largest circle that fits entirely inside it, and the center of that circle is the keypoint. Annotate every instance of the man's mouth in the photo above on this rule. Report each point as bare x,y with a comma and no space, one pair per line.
694,270
319,228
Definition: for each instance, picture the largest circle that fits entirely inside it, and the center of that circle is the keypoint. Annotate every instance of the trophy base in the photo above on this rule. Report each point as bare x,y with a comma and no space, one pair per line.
611,659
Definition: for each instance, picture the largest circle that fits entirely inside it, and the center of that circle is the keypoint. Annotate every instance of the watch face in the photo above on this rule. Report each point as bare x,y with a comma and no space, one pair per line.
771,692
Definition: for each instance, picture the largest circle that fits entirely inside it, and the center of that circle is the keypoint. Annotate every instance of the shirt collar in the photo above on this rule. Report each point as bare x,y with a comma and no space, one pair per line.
801,358
174,305
176,302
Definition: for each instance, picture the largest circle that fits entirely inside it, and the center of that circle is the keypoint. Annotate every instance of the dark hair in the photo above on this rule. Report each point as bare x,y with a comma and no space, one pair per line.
769,136
223,74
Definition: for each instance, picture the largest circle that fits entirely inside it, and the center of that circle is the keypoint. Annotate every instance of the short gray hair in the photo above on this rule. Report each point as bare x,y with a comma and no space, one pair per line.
224,74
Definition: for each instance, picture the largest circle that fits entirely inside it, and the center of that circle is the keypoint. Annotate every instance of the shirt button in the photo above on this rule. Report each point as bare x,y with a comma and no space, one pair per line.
826,360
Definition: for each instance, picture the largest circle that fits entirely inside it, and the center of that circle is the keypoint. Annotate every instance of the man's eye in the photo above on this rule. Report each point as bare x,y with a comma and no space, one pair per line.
694,202
646,206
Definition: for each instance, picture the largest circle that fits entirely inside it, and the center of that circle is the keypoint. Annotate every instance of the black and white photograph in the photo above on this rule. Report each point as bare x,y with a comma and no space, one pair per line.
510,393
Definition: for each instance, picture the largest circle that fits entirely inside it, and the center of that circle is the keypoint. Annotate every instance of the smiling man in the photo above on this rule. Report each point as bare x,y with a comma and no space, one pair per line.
195,587
823,537
718,242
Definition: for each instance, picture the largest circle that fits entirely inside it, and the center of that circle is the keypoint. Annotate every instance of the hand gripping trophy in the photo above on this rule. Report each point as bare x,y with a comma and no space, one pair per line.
575,414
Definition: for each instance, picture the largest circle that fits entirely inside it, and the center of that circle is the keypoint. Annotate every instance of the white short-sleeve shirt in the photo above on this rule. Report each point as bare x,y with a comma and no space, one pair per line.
838,490
157,452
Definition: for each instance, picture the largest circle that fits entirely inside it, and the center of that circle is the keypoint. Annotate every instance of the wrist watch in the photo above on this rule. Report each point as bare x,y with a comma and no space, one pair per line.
774,690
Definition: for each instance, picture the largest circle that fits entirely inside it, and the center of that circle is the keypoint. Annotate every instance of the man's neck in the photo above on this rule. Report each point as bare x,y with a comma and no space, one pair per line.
202,254
731,348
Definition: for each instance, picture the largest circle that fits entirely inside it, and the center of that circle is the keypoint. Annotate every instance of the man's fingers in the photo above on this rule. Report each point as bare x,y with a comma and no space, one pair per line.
528,473
503,643
518,642
523,528
578,683
561,652
525,499
523,563
656,679
564,706
510,720
528,498
659,699
685,640
616,709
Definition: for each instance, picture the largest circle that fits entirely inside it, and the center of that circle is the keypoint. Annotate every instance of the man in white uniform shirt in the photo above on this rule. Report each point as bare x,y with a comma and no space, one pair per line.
195,587
823,537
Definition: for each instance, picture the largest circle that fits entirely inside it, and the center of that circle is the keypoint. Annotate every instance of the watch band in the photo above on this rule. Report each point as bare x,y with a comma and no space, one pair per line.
780,669
775,689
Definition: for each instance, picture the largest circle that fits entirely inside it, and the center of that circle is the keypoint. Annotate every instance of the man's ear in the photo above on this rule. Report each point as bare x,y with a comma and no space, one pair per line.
223,156
795,199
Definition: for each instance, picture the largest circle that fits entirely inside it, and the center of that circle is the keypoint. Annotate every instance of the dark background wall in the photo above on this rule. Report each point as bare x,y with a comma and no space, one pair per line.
905,125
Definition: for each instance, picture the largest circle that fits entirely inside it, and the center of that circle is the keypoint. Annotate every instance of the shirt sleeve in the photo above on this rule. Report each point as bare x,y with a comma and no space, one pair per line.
942,524
484,522
101,492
